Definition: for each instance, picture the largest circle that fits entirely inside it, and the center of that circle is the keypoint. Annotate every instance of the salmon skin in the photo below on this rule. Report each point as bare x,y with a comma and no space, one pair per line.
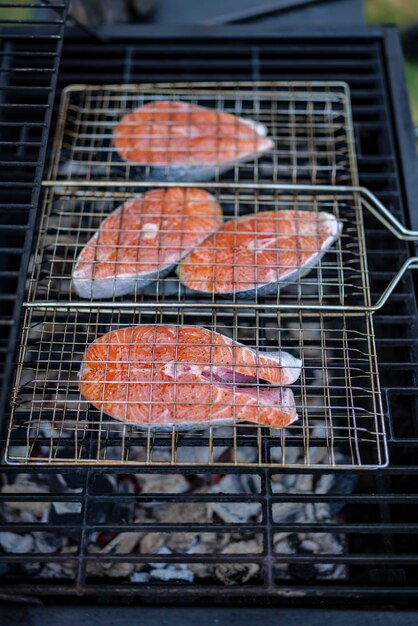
256,253
186,142
143,240
165,377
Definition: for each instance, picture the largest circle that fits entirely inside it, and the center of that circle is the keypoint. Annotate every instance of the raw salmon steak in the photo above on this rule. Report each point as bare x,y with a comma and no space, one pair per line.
186,376
143,239
257,252
183,141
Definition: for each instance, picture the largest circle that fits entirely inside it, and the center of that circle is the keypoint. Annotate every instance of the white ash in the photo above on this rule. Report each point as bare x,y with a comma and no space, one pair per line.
306,544
57,570
163,550
67,507
236,512
49,543
172,573
182,512
181,541
162,483
110,569
305,512
151,543
307,340
23,485
16,544
139,577
196,454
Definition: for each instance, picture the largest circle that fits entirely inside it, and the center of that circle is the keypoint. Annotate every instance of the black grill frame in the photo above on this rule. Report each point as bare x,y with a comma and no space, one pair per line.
382,506
30,54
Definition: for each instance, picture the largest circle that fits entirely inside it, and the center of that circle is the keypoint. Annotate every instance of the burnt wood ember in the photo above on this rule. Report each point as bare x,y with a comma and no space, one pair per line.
217,504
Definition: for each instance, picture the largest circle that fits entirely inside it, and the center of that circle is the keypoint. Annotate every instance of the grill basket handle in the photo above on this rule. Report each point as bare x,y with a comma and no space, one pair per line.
375,207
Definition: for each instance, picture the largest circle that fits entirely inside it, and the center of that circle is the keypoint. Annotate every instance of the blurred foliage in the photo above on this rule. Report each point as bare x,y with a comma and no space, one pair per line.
404,13
411,70
15,13
401,12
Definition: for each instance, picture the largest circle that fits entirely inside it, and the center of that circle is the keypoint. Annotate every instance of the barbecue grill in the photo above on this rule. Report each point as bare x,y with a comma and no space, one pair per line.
79,527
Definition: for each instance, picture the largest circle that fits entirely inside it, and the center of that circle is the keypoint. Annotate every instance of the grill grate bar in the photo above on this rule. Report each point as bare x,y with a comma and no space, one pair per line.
23,148
362,580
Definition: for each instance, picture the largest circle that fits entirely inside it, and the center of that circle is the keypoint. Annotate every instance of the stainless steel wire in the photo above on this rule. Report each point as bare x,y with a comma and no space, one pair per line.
338,397
71,217
324,318
310,125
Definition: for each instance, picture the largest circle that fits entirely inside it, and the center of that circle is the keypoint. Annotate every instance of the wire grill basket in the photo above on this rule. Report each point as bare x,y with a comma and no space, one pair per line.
309,123
324,318
337,397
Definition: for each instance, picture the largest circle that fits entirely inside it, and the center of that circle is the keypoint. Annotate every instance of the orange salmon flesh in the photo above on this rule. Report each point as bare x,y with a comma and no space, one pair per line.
260,249
177,133
186,376
143,239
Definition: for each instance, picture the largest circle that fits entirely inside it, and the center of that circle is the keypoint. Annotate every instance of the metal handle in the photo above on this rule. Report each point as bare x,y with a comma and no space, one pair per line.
411,263
383,215
375,207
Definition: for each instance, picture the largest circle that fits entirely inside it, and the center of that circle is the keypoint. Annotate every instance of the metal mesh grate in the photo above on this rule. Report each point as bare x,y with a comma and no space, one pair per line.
331,414
72,216
338,397
309,123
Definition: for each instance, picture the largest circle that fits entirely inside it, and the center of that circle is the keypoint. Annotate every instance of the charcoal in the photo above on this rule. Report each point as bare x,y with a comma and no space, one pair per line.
325,483
162,483
110,512
235,573
283,545
60,483
139,577
112,570
182,512
123,543
16,544
65,513
159,564
238,573
151,543
26,486
181,541
48,543
28,517
4,569
172,573
344,484
305,572
56,570
237,512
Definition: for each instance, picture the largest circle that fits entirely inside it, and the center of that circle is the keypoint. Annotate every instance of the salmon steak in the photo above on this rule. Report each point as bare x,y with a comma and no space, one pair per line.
259,252
183,141
165,376
143,240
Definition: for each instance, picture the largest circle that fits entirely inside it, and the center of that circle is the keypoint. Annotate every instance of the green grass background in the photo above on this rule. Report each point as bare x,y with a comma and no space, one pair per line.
404,13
